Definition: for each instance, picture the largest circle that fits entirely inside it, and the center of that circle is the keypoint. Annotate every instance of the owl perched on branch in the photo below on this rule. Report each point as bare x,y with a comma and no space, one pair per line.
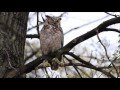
51,38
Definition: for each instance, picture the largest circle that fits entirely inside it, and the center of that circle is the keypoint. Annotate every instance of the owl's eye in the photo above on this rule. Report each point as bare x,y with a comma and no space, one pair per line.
59,19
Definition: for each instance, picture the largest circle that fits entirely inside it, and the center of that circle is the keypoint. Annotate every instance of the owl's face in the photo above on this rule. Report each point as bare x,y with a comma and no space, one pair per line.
51,20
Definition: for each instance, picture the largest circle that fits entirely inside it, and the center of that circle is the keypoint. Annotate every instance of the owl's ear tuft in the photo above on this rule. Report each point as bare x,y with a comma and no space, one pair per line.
47,16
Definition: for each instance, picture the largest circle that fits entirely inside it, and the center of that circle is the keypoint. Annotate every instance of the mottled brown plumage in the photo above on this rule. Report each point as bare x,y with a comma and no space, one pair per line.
51,38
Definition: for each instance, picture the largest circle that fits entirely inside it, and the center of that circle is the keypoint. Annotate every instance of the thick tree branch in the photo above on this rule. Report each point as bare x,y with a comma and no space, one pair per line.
89,34
32,36
26,69
105,29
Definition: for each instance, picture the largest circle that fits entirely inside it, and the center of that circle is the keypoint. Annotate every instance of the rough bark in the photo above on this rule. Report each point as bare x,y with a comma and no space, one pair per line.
13,26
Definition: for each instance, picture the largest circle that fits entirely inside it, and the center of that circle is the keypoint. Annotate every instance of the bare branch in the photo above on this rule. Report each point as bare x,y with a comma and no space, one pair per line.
33,53
94,67
63,14
106,52
89,34
85,24
32,36
111,29
38,24
112,14
75,67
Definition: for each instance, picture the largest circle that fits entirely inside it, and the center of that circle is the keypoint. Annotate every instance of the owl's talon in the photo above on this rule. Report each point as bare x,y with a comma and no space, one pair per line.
45,63
61,64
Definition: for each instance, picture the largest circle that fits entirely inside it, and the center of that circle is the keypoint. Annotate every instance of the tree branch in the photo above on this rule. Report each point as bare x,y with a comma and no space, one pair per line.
112,14
89,34
74,66
107,54
93,67
105,29
32,36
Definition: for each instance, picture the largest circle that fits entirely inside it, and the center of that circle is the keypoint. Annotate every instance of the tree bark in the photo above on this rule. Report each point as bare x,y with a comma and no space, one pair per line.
13,28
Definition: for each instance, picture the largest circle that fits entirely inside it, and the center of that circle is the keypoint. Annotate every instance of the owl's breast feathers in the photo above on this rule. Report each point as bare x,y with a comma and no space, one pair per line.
51,39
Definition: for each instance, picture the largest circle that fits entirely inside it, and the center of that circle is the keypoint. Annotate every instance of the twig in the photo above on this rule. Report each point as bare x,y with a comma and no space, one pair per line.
75,67
63,14
35,73
79,59
38,24
93,67
112,14
84,72
91,22
46,72
106,53
65,67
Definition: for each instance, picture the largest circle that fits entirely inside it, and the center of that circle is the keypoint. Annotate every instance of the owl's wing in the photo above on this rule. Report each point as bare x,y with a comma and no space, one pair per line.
44,40
62,38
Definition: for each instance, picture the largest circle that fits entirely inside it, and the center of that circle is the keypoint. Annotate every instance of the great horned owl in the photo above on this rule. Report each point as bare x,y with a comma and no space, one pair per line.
51,38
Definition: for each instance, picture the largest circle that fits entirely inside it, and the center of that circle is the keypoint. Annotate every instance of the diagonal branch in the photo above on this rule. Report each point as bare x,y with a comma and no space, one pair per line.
106,53
112,14
89,34
93,67
75,67
85,24
79,59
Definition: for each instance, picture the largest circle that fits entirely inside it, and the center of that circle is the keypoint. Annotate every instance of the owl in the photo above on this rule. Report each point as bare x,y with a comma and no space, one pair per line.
51,38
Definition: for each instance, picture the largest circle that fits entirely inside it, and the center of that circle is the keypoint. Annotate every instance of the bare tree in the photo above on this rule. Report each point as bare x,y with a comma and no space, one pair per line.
13,28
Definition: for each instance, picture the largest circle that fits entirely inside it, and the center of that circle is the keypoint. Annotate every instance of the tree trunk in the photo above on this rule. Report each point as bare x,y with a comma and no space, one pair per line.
13,26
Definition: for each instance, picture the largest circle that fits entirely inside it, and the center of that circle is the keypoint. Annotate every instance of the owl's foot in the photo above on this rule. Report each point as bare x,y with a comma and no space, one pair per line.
55,64
62,64
45,64
56,60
